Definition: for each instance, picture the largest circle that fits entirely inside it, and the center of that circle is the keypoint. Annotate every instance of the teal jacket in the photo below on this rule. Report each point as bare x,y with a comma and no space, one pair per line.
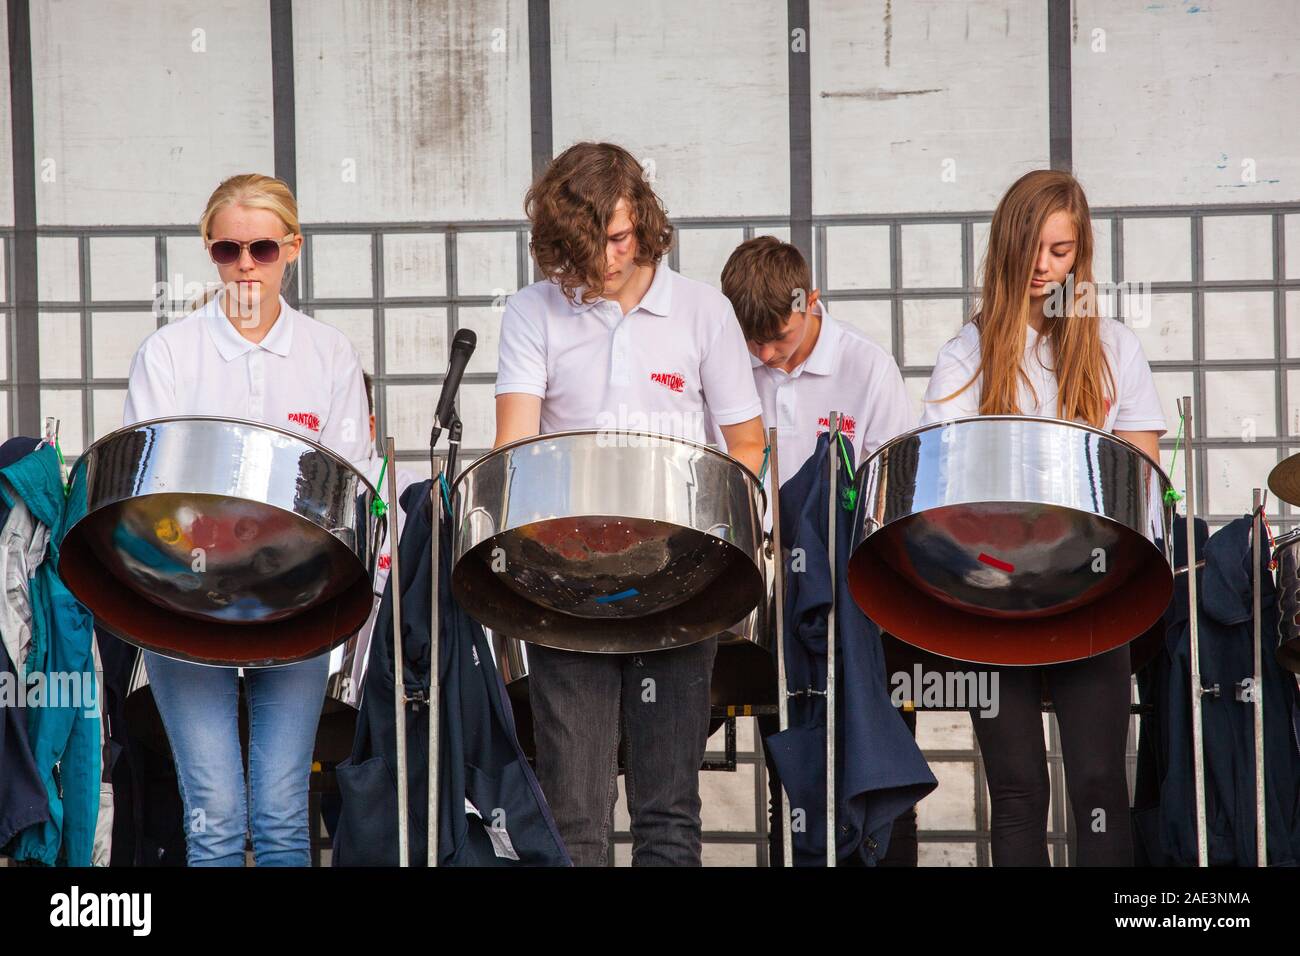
64,731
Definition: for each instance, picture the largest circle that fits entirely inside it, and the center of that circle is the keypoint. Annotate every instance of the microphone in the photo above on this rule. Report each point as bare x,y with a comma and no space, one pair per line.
462,347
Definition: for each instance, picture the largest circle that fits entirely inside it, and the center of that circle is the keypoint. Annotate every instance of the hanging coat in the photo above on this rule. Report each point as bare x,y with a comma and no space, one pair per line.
491,808
880,771
22,793
64,733
1166,830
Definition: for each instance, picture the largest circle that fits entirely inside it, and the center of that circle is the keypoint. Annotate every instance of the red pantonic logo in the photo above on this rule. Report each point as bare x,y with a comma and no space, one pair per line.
848,425
673,381
307,420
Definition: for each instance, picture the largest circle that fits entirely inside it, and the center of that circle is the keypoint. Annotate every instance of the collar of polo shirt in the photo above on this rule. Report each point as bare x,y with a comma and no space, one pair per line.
231,344
822,359
657,299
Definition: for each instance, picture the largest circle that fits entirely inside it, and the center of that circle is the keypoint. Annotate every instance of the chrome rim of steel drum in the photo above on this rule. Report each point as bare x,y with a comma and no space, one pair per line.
1284,479
608,541
1012,540
744,671
221,541
1287,555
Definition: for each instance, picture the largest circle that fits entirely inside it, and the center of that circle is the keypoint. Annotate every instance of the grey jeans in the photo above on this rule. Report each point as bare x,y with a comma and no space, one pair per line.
658,704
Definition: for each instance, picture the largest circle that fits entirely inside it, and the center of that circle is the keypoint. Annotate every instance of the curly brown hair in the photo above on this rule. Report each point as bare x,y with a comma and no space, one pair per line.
570,206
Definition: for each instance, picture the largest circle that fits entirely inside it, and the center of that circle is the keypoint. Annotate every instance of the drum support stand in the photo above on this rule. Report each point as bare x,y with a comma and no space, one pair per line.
1197,690
399,678
1261,820
400,700
778,598
831,534
435,635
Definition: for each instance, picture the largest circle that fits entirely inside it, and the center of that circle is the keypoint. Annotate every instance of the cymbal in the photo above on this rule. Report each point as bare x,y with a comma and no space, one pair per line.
1284,480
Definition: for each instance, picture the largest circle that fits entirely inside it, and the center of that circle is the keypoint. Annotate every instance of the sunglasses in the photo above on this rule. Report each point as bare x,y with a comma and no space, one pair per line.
226,252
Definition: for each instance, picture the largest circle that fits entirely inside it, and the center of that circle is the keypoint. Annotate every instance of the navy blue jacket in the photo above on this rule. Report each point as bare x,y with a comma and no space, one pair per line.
1166,826
22,795
880,771
480,758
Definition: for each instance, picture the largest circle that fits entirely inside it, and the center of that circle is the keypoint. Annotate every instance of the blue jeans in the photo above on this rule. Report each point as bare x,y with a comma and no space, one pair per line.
658,705
200,709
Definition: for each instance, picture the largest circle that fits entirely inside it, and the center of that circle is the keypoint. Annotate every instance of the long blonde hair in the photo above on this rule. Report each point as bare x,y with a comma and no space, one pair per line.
252,191
1085,380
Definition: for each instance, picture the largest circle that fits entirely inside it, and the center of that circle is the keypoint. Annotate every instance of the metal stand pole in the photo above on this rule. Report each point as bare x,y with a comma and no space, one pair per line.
1261,820
831,854
399,679
1198,741
435,659
778,596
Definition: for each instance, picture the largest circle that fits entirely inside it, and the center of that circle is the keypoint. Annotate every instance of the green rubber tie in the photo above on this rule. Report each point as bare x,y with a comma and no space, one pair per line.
63,466
762,471
1172,497
446,491
377,507
849,494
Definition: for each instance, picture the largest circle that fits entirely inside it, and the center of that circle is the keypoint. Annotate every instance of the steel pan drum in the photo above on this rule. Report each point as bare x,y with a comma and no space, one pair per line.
221,541
744,671
1012,540
511,658
607,542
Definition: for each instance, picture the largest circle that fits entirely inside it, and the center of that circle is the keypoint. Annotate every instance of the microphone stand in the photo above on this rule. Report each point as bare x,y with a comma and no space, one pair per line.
444,416
435,652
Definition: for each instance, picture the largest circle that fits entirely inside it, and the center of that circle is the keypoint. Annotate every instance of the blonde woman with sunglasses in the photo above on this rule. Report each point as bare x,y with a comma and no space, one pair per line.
246,353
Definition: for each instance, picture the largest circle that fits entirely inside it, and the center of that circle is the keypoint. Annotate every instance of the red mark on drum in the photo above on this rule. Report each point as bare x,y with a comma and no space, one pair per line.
996,563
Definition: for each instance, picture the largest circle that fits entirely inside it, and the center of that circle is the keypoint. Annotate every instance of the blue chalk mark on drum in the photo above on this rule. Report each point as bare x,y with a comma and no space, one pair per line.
630,592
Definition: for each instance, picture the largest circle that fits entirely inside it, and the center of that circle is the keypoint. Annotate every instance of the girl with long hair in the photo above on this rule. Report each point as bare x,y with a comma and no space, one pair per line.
1038,346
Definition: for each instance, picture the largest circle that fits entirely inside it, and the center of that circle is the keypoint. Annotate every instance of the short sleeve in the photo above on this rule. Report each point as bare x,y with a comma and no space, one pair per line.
1139,402
521,354
151,383
891,413
726,374
712,432
347,424
953,369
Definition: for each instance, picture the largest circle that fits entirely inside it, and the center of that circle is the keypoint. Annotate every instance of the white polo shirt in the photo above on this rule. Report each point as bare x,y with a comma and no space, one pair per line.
1135,408
846,372
304,376
678,353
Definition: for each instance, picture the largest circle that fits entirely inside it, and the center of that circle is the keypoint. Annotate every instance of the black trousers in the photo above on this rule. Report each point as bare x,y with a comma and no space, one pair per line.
657,704
1091,699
